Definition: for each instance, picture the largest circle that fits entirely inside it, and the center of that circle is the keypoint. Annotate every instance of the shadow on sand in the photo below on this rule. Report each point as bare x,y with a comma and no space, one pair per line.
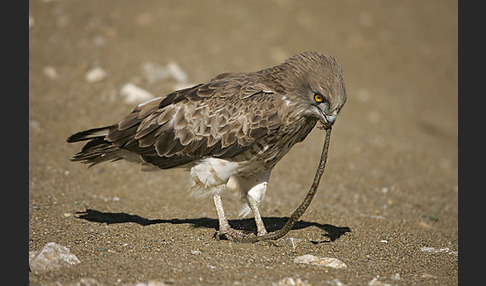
247,225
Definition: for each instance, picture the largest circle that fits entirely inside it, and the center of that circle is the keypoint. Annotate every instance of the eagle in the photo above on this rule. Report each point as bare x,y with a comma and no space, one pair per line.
236,126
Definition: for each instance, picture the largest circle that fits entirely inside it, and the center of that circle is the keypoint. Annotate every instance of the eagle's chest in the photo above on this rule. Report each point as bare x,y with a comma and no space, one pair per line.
269,150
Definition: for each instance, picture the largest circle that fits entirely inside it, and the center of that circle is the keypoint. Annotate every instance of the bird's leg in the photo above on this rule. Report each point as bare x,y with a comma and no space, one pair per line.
261,230
256,187
224,226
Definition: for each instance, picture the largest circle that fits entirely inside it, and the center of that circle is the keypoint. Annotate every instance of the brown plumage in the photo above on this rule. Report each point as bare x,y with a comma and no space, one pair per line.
237,125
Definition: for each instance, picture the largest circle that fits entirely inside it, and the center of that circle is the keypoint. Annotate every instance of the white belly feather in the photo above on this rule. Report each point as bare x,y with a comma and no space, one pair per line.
209,175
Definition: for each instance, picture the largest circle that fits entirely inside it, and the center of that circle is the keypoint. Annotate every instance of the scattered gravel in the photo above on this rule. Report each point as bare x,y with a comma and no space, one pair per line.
159,233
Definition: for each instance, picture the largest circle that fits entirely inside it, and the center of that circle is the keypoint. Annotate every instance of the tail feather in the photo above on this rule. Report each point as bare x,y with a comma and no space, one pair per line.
97,149
89,134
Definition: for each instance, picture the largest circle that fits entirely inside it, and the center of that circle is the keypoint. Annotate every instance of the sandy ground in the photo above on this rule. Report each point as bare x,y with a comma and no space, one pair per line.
390,190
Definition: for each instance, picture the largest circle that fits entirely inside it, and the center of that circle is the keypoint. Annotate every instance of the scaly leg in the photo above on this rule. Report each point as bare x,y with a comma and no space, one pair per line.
254,189
261,230
225,229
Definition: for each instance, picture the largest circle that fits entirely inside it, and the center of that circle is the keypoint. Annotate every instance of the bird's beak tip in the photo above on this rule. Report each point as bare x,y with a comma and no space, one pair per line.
328,120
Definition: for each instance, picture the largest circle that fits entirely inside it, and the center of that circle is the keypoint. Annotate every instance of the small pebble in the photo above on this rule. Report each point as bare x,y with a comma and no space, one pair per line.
335,282
427,275
292,242
95,74
35,125
292,281
88,282
134,94
376,282
176,72
31,21
320,261
438,250
50,72
154,72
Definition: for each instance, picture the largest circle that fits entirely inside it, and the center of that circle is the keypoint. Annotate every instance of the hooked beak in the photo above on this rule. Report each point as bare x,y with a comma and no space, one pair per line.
326,119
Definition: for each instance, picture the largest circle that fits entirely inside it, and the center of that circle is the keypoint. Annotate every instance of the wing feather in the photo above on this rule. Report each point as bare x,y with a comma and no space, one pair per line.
221,118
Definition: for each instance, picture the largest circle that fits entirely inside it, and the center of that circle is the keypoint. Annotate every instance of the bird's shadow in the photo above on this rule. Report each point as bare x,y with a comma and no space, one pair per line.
247,225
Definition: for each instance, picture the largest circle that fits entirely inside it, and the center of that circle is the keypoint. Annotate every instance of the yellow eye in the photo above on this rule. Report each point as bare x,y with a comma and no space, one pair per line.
318,98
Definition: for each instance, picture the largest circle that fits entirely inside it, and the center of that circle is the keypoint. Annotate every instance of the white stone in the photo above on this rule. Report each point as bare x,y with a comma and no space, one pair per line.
50,72
85,281
335,282
153,72
31,21
95,74
292,242
290,281
320,261
35,125
50,257
438,250
134,94
376,282
176,72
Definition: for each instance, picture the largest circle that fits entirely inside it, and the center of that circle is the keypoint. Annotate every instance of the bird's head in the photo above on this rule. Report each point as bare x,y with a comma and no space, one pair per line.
316,82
